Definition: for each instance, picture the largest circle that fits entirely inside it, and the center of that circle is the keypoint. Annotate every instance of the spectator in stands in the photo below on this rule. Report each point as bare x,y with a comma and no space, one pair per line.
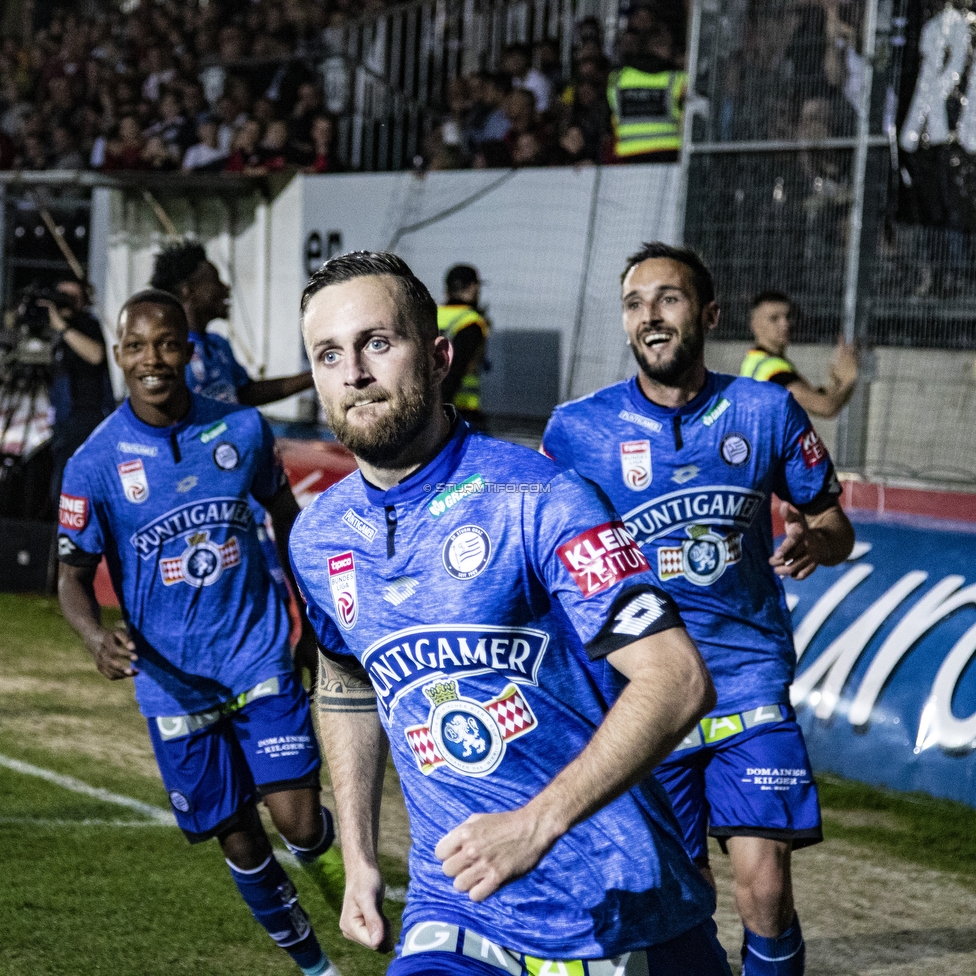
770,321
325,158
273,149
230,118
172,130
64,149
245,154
517,62
161,73
33,154
308,108
487,121
585,130
124,150
527,138
206,153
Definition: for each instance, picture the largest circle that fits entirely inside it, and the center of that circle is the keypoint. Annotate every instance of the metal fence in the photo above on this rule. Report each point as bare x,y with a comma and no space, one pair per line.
388,76
795,181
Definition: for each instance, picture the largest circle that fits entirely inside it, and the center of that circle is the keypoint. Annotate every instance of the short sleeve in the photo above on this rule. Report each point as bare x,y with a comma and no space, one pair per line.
81,536
555,444
269,472
807,477
584,555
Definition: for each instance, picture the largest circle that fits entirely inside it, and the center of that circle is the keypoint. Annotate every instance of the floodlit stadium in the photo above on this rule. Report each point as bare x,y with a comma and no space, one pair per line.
819,159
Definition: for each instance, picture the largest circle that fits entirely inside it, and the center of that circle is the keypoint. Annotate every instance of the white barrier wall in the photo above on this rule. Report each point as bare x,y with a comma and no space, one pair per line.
549,244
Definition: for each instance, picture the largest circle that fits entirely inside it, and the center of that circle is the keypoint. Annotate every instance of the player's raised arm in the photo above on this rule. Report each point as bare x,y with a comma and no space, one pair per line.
668,691
356,748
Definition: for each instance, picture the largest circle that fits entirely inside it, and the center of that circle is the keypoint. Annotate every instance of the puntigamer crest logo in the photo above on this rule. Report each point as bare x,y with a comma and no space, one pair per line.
467,735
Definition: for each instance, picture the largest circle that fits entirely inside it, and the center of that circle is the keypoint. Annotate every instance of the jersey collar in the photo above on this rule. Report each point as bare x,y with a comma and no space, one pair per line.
651,409
147,430
422,483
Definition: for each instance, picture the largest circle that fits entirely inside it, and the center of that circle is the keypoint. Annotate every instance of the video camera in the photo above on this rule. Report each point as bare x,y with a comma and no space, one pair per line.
33,319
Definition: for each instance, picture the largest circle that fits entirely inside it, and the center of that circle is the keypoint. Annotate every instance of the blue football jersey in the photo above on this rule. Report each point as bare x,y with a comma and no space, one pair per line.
693,485
214,371
482,595
168,507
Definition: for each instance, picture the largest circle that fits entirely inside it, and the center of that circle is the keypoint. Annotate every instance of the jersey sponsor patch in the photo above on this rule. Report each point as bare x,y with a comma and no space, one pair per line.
342,582
202,563
601,557
635,418
127,447
467,735
360,525
135,486
446,500
712,415
735,449
213,431
715,504
466,552
702,559
408,658
812,447
635,464
226,456
73,512
192,516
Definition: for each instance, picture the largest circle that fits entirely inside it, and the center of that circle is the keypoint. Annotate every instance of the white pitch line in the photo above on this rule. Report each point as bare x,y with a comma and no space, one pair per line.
91,822
157,814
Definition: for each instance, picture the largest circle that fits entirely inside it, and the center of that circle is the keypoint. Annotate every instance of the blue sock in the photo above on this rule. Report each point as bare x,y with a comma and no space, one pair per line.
307,855
273,901
784,956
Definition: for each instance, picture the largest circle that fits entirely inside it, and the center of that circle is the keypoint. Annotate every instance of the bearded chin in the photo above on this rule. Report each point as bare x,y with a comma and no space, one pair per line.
383,441
672,372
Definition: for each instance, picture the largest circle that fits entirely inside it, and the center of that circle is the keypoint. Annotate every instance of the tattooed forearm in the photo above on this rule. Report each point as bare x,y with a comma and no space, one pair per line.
344,688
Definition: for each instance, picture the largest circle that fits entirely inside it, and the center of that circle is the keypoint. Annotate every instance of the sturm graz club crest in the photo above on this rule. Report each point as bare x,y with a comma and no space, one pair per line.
465,734
702,559
202,562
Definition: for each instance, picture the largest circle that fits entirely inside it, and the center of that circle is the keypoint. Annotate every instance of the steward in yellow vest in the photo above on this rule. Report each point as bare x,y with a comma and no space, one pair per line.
648,108
462,323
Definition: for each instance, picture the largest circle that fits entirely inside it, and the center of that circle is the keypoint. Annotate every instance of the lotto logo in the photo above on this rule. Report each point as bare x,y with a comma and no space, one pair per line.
601,557
638,615
812,447
73,512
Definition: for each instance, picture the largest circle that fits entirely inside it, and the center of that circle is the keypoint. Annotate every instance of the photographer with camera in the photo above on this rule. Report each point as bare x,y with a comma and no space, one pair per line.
81,392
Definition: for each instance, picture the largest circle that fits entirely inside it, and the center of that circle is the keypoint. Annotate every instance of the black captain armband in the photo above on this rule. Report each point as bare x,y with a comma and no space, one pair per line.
826,497
73,555
636,613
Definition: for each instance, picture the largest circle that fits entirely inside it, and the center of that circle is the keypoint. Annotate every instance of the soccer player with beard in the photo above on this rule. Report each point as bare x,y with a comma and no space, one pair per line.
477,608
692,459
161,488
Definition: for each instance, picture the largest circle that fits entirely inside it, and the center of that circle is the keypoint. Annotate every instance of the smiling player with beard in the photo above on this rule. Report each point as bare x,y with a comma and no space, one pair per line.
477,607
692,458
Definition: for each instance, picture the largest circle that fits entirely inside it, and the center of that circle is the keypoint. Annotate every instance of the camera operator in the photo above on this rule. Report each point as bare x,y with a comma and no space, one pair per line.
81,392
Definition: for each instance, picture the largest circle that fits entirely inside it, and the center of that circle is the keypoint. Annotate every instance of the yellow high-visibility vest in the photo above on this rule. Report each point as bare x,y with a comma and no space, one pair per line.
647,110
761,365
451,319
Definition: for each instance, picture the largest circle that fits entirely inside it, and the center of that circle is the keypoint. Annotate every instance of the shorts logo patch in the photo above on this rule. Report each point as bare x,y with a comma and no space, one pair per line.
73,512
179,801
135,487
342,582
466,552
225,456
702,559
735,449
812,447
202,562
467,735
635,463
601,557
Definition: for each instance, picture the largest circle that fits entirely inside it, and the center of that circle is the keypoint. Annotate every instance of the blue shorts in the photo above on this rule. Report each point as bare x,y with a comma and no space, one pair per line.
755,783
215,764
447,950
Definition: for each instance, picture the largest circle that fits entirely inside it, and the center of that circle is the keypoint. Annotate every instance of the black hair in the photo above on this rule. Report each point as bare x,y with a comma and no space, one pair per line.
770,295
155,296
700,275
417,306
176,264
460,276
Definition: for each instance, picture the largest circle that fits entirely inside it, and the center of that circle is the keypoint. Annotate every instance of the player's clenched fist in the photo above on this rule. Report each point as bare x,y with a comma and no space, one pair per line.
362,917
115,653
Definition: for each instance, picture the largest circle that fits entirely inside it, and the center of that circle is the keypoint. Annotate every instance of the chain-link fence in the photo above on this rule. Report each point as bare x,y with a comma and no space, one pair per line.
829,155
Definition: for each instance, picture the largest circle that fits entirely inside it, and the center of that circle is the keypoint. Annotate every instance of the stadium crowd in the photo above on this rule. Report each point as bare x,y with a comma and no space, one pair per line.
234,88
